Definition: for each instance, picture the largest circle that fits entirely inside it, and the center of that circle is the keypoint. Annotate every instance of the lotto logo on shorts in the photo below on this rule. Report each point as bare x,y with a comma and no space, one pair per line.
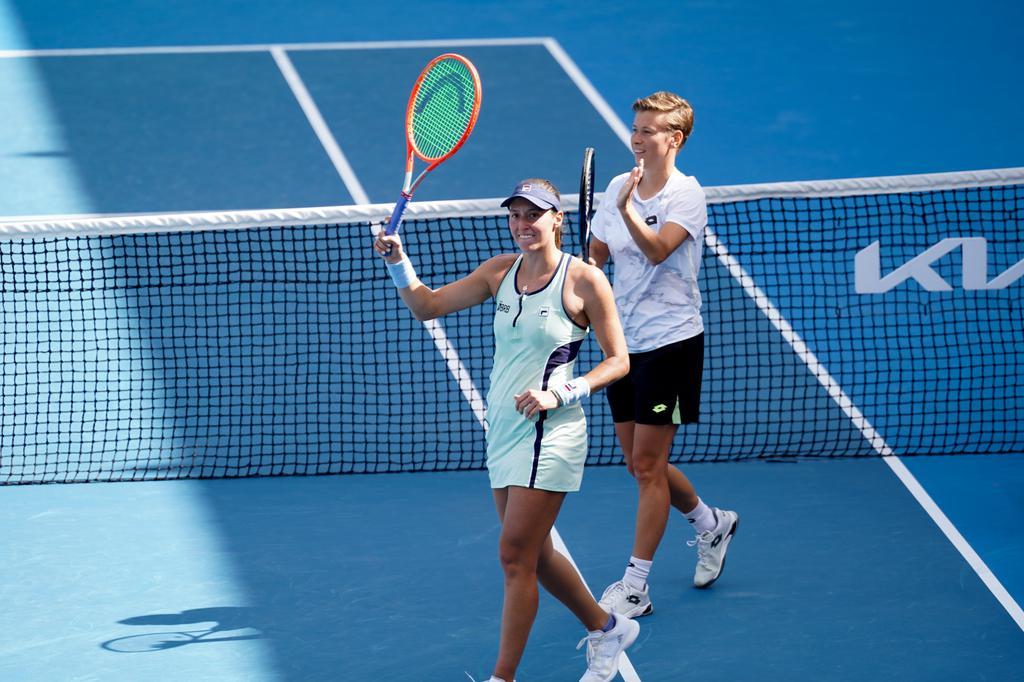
658,409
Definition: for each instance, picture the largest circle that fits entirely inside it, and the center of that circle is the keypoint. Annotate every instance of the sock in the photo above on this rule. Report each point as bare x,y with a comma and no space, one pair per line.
702,517
637,572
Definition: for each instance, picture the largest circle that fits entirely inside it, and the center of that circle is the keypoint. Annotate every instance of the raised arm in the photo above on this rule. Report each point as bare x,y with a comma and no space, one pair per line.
657,246
426,303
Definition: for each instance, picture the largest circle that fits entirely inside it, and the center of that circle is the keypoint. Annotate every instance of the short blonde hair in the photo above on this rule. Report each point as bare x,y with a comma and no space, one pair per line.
680,113
549,186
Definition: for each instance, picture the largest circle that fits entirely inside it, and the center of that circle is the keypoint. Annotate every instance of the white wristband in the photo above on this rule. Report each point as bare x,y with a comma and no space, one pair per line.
402,272
571,391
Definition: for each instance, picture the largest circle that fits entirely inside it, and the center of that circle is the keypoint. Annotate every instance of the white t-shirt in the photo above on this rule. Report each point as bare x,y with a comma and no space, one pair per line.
658,304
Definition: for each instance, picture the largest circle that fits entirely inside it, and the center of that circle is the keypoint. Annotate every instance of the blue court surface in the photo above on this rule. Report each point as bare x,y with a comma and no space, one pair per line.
836,573
846,569
798,91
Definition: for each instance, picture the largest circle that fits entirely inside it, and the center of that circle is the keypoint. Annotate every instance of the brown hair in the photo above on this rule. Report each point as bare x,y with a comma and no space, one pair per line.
680,113
549,186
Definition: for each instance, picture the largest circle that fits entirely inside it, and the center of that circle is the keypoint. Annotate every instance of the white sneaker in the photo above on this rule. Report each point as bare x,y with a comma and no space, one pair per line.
605,648
621,598
712,546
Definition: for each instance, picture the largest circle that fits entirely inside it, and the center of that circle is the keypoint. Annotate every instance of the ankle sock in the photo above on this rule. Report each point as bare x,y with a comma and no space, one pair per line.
702,517
637,572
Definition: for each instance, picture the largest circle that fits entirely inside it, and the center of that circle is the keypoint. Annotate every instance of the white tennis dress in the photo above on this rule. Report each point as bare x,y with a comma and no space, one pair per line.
535,346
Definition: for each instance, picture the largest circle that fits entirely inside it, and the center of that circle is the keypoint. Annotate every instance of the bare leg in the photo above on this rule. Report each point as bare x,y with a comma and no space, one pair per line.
527,516
684,496
560,578
646,449
651,445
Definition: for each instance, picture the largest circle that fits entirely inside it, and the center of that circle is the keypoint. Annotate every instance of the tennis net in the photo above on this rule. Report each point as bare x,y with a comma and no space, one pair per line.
272,343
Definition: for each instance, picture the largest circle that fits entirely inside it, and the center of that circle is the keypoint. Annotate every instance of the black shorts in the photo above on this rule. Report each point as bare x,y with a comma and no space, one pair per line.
663,385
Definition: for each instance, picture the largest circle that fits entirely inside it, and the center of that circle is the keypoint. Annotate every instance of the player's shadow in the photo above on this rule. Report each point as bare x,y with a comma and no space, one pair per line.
216,624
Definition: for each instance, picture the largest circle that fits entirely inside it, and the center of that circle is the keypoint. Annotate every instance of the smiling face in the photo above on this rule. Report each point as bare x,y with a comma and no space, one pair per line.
653,140
662,125
534,228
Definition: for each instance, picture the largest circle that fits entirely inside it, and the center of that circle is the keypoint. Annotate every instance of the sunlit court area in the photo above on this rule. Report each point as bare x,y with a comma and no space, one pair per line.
228,451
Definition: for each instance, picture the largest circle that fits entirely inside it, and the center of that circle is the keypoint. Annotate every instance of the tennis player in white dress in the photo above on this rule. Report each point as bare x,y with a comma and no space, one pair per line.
545,301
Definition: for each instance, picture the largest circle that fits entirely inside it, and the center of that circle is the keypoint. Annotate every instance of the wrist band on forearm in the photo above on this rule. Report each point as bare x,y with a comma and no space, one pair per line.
571,391
402,272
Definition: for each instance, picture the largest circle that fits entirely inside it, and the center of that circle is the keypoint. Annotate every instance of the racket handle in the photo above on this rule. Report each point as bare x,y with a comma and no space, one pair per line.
396,215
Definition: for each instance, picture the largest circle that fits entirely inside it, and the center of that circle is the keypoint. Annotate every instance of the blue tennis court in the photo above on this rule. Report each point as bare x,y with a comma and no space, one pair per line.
355,577
845,568
182,147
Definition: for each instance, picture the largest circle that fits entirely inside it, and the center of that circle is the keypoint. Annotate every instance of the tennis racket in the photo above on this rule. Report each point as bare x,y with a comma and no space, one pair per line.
586,202
442,111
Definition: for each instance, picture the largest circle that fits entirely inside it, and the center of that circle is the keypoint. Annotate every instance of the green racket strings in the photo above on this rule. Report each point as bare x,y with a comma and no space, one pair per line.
443,108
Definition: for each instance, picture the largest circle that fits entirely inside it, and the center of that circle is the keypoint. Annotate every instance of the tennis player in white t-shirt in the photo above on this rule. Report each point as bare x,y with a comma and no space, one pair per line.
651,223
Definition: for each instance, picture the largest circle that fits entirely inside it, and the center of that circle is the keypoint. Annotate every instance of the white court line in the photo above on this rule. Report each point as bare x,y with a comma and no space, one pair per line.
791,337
588,90
457,370
957,540
323,132
290,47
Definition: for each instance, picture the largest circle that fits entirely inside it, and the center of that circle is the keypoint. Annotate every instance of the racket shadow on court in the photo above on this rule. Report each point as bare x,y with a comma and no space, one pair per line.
225,619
